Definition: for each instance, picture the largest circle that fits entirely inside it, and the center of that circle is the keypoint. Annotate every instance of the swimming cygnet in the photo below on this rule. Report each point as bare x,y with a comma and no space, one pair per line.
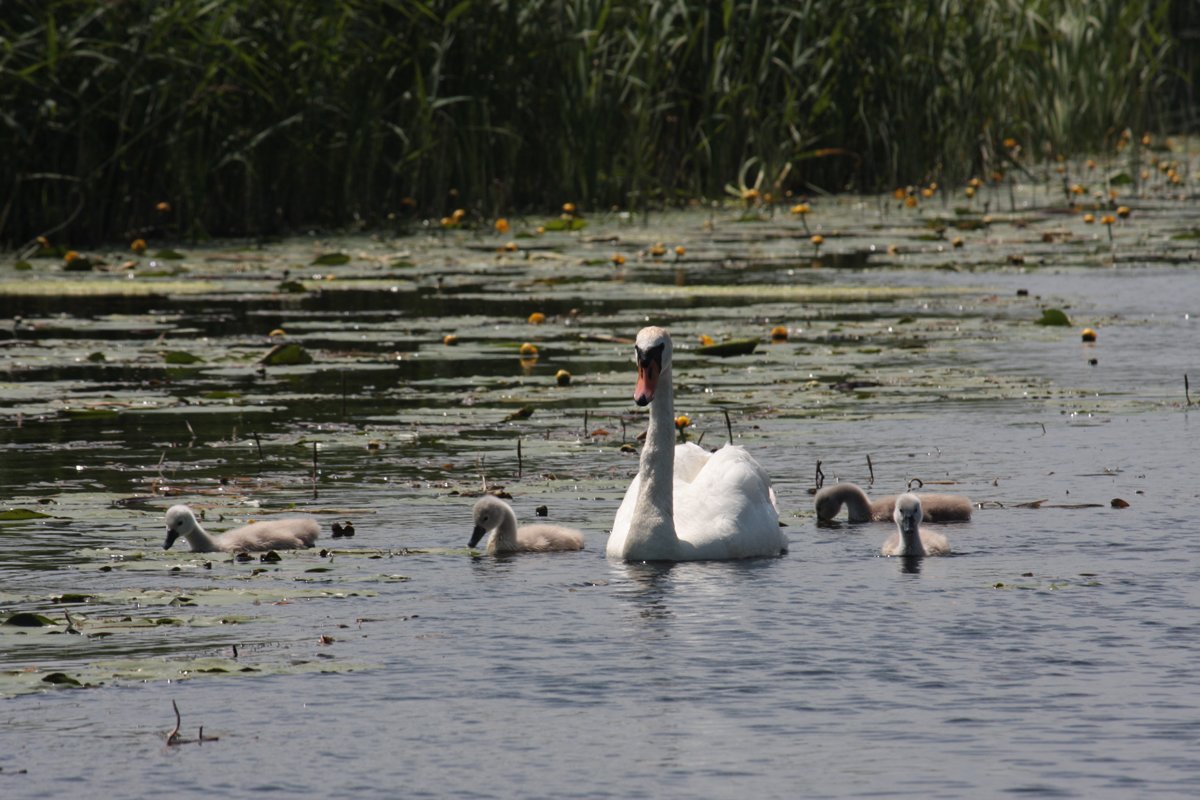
292,533
493,514
909,539
937,507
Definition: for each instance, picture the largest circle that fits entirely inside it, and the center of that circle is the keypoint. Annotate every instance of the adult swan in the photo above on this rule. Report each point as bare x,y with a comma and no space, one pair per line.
687,504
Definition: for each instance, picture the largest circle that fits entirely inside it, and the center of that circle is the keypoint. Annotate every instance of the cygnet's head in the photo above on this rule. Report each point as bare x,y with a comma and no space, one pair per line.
489,511
180,520
652,351
908,513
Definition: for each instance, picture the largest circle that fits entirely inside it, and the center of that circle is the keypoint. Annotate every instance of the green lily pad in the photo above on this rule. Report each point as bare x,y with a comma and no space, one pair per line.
97,357
292,287
27,619
730,347
21,514
559,224
182,357
1053,316
23,266
60,679
170,255
331,259
285,355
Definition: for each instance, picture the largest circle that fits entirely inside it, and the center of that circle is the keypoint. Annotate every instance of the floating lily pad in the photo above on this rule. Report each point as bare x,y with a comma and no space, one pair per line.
14,514
331,259
730,347
170,255
60,679
28,619
1053,316
180,357
559,224
286,355
22,266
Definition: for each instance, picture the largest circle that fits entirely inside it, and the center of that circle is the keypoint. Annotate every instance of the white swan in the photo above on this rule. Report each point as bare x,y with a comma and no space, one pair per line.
686,504
276,534
909,539
860,508
492,513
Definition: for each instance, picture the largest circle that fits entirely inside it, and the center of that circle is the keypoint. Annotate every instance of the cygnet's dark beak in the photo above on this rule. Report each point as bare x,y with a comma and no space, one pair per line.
476,535
171,537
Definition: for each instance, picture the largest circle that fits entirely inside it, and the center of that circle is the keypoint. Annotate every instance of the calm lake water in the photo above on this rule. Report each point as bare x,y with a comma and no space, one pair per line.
1052,655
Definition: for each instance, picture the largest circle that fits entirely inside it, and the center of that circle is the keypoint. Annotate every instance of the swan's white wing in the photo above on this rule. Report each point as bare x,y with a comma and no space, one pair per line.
728,510
690,459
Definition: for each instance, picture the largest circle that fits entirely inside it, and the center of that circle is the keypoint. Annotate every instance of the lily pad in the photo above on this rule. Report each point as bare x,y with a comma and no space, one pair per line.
28,619
331,259
179,357
170,255
60,679
572,224
283,355
730,347
14,514
1054,316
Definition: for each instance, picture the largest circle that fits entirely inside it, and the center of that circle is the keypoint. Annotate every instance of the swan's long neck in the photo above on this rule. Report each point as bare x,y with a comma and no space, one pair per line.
652,531
199,539
858,505
505,537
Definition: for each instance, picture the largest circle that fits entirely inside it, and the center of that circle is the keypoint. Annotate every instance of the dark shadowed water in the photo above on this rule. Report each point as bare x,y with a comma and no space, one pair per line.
1053,655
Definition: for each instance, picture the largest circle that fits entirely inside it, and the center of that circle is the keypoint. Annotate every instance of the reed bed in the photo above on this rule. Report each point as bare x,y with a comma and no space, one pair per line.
184,118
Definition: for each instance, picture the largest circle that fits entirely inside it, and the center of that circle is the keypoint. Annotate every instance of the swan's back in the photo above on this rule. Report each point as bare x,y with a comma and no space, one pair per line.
546,538
728,510
294,533
725,509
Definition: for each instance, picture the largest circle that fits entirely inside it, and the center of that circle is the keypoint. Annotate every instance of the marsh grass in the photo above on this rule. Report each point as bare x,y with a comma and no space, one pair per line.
268,116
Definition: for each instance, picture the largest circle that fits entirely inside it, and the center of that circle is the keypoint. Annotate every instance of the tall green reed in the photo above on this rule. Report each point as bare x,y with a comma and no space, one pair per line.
268,116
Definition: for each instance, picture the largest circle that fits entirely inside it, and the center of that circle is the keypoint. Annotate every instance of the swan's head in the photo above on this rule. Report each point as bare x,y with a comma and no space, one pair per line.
180,520
653,355
488,513
908,514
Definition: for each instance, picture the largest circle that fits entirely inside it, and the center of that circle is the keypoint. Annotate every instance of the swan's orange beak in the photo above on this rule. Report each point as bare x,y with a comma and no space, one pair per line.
647,382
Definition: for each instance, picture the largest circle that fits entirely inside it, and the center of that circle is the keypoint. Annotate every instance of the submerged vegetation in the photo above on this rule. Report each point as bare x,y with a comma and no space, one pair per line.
143,119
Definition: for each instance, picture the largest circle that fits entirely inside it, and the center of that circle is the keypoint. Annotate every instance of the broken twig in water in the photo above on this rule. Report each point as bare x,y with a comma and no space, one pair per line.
920,484
585,424
520,461
173,736
728,426
819,477
258,444
1186,393
871,469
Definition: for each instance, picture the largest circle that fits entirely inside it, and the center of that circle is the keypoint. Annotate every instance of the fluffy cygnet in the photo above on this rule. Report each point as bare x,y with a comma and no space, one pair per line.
493,514
292,533
860,508
909,539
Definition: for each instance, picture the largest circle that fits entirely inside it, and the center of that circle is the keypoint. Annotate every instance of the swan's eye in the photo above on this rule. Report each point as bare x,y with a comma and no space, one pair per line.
651,355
